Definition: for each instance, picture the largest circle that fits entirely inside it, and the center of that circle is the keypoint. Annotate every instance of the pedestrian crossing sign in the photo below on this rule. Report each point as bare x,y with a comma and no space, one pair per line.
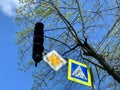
79,72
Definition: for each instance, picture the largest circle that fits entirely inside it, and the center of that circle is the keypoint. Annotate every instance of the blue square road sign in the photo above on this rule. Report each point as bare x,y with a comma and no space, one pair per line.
79,72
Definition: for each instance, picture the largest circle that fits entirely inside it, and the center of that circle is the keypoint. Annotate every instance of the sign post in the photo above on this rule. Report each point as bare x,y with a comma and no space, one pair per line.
79,72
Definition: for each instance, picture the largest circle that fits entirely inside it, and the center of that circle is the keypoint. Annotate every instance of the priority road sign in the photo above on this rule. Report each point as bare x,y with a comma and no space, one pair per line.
79,72
54,60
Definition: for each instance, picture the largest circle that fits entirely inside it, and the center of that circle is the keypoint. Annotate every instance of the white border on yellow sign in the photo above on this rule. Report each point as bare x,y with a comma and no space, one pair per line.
75,79
56,67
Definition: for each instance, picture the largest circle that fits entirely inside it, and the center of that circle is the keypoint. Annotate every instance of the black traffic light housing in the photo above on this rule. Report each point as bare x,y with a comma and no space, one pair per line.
38,41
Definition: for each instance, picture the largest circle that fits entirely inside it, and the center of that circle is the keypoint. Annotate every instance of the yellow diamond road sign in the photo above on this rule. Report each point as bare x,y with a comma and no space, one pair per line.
79,72
54,60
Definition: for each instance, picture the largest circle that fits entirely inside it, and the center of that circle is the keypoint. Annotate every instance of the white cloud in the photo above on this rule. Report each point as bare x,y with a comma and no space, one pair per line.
8,6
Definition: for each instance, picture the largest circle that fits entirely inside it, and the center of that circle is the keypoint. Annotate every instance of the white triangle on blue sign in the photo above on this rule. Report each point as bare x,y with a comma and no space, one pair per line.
79,73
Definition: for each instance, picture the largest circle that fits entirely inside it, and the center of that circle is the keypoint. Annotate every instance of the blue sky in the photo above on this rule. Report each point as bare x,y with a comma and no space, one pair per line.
10,77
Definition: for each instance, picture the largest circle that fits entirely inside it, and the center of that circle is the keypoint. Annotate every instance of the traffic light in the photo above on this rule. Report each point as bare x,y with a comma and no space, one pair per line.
38,41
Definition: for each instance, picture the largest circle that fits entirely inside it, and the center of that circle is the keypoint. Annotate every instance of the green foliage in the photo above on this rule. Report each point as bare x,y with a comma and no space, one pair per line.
66,22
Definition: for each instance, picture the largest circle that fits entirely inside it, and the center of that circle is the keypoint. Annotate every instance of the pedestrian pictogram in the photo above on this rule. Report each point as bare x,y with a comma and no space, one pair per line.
79,73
